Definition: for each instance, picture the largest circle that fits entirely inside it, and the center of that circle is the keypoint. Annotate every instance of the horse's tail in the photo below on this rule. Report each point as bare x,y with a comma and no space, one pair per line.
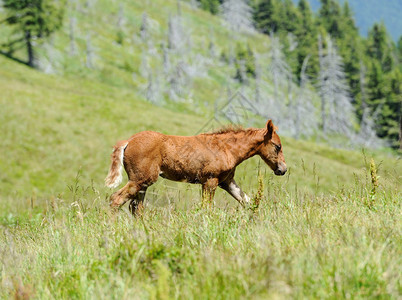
115,177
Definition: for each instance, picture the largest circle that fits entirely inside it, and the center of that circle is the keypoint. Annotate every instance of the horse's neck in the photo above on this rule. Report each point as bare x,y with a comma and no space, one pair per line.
244,144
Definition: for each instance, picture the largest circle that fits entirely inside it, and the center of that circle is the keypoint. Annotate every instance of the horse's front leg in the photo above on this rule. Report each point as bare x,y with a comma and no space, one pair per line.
208,190
235,191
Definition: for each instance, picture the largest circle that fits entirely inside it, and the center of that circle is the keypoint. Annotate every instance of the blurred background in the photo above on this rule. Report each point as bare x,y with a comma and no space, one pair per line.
78,75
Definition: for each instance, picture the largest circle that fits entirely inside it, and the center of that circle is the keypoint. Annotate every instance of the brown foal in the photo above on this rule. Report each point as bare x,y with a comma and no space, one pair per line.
209,159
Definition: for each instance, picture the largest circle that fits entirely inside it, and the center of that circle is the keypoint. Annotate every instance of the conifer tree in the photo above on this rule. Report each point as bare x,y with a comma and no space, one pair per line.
178,37
152,92
194,4
390,116
351,51
289,16
238,14
34,19
306,34
120,25
244,63
73,46
384,84
376,85
348,23
382,48
266,16
362,97
367,135
330,18
377,42
305,120
89,52
144,27
279,69
336,109
210,5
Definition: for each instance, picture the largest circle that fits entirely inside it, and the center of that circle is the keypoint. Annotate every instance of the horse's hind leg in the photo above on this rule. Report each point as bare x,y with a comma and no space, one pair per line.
136,205
127,192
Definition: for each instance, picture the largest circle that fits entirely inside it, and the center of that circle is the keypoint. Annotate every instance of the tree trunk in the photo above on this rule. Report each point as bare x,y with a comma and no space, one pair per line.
400,128
178,8
323,116
28,40
320,58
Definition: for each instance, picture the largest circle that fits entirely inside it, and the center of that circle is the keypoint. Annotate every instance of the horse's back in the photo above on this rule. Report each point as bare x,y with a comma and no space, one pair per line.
177,157
143,145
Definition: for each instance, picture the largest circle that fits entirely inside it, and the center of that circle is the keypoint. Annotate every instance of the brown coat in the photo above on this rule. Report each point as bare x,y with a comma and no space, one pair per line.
209,159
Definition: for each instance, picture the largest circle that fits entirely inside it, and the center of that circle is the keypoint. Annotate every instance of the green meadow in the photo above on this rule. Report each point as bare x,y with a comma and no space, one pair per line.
329,229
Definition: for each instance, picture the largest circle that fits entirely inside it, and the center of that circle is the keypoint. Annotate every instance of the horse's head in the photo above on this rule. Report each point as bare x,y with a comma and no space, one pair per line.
270,150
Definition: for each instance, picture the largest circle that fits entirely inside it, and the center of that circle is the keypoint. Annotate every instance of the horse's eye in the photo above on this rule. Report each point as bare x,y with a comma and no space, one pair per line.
278,147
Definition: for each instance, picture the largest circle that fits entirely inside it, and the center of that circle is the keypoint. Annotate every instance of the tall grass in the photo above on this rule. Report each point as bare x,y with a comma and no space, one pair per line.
294,244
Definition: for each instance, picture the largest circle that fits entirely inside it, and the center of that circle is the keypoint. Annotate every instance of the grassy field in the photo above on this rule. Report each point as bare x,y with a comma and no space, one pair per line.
298,247
328,229
319,232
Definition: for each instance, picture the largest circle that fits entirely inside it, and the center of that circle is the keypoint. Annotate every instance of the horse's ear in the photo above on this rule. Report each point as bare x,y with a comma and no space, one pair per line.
270,130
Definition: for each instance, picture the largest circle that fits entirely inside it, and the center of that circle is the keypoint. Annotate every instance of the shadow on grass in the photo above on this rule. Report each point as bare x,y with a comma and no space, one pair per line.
8,55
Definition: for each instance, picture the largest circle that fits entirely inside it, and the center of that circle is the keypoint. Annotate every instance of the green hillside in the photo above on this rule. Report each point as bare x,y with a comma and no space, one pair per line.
330,228
56,126
176,55
119,54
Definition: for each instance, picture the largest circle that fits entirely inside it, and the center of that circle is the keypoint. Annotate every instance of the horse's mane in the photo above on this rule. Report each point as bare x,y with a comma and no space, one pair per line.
230,129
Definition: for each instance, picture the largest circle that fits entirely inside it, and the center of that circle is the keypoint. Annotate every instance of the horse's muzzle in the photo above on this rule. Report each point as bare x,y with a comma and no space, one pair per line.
281,169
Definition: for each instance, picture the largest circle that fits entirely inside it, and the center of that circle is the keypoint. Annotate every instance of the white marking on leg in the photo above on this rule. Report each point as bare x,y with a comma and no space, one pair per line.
235,191
246,198
238,193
